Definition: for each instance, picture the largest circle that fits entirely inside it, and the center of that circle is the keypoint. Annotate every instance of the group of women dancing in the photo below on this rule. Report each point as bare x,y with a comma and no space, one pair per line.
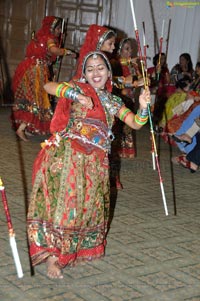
68,214
89,129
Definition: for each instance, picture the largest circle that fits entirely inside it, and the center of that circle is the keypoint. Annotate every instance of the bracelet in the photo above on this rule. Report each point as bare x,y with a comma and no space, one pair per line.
71,93
61,89
124,114
125,61
142,112
51,45
120,79
141,120
129,113
66,52
65,90
128,85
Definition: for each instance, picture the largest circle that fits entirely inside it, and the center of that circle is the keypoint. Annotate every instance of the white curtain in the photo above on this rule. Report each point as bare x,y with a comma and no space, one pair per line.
184,30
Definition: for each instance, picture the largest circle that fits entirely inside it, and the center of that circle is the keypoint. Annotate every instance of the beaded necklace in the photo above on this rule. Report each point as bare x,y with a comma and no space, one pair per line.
111,104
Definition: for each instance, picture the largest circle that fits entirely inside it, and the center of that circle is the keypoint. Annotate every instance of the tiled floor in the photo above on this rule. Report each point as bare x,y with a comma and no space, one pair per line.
149,256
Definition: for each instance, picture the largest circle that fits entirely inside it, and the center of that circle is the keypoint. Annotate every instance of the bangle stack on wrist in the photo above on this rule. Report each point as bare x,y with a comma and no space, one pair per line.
141,117
64,90
125,114
72,94
143,112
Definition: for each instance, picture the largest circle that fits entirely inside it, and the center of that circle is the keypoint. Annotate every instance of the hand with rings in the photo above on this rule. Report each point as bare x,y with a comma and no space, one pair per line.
85,101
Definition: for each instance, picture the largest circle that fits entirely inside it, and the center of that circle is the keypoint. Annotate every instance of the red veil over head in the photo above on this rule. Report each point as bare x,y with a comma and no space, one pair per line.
94,39
37,46
48,25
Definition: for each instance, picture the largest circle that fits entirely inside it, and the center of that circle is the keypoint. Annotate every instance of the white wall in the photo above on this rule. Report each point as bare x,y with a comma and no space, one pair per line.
184,30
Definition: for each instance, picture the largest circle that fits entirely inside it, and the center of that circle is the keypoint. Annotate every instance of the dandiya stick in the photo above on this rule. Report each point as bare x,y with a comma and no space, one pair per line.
149,112
11,232
62,44
153,155
145,64
168,35
157,162
138,43
58,60
62,32
160,47
145,46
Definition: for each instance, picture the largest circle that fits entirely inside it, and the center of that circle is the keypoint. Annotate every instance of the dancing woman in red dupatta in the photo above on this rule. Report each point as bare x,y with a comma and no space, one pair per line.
69,206
100,38
71,186
32,108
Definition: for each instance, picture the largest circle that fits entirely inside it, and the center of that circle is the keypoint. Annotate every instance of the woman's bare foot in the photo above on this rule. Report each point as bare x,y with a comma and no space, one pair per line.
193,166
53,271
21,134
185,138
27,133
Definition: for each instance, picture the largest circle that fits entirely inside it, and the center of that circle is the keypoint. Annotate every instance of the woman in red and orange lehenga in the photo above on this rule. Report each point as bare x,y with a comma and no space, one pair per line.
32,108
68,213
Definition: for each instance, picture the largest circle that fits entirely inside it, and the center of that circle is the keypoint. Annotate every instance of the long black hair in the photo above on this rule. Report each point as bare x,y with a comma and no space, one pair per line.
187,57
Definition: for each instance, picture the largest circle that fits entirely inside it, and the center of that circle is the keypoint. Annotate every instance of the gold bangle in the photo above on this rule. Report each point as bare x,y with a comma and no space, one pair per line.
65,51
51,45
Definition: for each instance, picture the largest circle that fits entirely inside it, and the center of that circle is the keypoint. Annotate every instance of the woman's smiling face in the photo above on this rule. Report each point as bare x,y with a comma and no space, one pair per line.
96,71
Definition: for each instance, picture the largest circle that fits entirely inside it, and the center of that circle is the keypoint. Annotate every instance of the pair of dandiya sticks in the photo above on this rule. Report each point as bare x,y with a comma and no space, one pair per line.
145,78
13,244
